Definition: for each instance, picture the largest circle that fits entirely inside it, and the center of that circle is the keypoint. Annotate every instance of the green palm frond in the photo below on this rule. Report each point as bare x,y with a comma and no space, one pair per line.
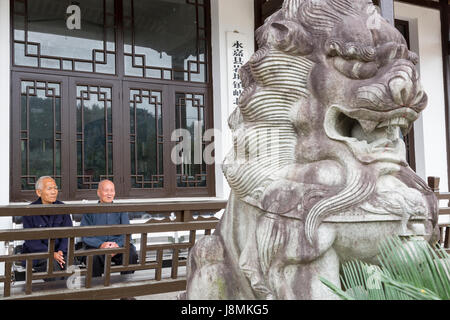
409,270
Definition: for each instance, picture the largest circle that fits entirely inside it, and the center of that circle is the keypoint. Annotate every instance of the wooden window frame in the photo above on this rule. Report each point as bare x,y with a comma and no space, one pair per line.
120,84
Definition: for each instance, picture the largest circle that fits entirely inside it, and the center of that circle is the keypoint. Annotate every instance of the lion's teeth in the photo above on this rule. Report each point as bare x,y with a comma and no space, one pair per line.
384,124
368,126
401,122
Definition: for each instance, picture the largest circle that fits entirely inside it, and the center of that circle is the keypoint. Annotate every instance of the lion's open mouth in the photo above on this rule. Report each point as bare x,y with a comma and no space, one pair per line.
380,139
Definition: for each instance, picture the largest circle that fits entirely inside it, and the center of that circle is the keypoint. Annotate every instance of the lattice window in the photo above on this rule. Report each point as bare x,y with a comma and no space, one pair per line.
190,115
101,100
94,135
171,44
146,139
40,132
42,39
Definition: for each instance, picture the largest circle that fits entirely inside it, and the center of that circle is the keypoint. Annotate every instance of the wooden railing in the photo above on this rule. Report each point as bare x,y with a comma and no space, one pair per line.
444,209
180,216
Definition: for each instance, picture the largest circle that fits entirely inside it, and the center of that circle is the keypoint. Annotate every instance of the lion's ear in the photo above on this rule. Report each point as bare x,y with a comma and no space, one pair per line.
291,37
281,28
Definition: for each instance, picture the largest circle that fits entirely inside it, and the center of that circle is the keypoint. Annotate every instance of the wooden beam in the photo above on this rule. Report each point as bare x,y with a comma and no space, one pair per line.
258,16
270,7
163,206
68,232
112,292
422,3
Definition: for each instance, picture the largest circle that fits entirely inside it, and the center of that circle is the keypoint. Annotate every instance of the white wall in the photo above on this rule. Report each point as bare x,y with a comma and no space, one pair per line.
429,130
5,223
226,16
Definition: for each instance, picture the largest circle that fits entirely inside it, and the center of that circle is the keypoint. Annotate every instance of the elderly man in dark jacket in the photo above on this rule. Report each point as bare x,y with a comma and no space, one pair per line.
106,193
47,191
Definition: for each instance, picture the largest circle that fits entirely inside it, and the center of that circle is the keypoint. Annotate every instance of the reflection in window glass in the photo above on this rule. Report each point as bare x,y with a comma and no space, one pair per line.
165,39
94,136
190,115
146,139
40,133
46,37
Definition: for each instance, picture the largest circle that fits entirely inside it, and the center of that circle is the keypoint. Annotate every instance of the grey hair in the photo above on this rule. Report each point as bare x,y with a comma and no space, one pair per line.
38,185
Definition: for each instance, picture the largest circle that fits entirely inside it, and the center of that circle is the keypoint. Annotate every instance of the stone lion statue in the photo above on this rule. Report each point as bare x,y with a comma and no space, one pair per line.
318,170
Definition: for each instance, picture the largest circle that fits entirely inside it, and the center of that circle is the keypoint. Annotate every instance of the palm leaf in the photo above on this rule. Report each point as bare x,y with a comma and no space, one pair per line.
409,270
338,291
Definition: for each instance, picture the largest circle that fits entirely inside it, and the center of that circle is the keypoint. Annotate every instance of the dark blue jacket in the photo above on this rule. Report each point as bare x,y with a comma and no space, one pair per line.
99,219
45,221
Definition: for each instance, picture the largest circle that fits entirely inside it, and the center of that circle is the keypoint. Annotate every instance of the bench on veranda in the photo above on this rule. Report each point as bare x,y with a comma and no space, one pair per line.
161,267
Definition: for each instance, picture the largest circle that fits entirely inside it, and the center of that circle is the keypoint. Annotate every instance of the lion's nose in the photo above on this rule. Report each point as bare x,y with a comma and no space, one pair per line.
405,88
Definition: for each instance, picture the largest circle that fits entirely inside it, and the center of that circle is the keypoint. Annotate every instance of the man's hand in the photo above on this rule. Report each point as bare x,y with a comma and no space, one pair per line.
105,245
59,257
109,245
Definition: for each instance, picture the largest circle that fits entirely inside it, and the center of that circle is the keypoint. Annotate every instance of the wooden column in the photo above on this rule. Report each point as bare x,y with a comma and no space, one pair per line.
433,183
444,9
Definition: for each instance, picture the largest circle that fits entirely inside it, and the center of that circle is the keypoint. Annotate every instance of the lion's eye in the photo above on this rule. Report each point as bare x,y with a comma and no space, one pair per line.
350,50
355,69
354,60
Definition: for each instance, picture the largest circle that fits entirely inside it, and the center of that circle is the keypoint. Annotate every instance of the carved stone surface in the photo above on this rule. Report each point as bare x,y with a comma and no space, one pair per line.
318,170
